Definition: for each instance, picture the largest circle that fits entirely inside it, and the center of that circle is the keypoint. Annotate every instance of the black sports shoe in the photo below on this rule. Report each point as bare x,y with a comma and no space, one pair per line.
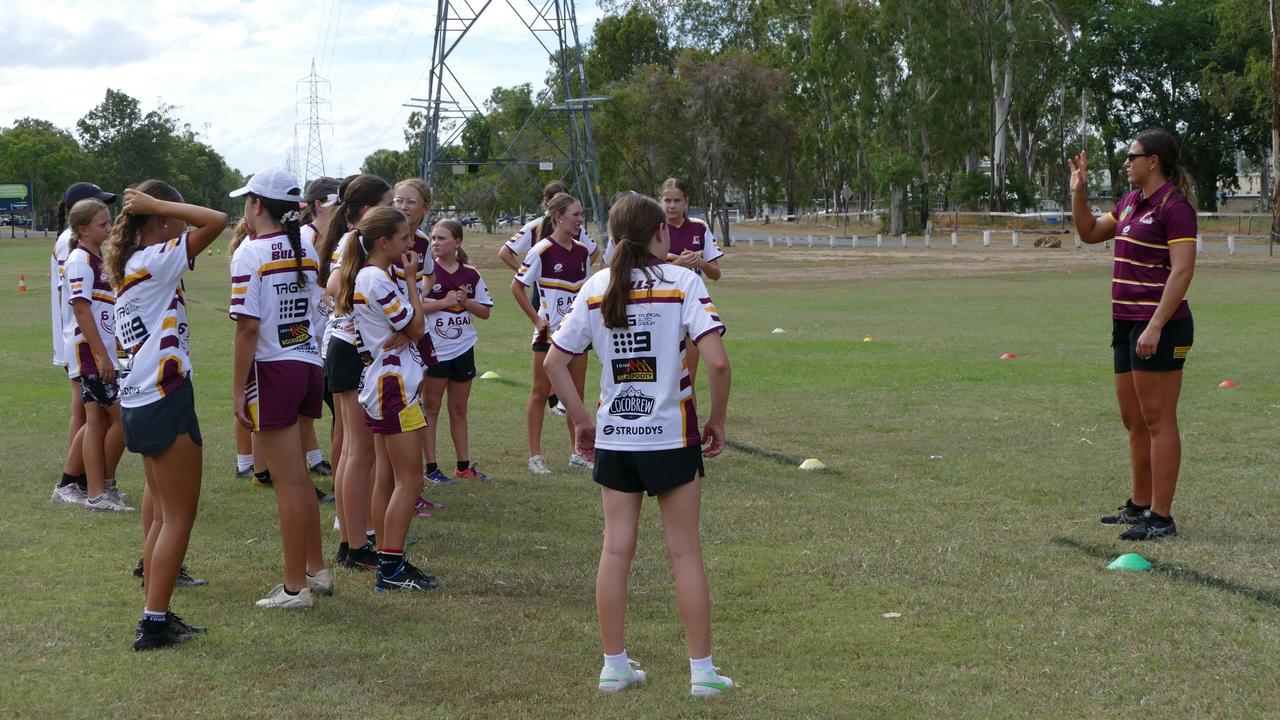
322,468
407,578
181,627
1126,514
150,636
245,474
323,497
1152,527
362,558
185,579
341,557
137,569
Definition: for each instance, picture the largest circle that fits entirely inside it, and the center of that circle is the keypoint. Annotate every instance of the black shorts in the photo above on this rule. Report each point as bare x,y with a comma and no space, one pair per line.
152,429
651,471
94,390
460,369
342,366
1171,352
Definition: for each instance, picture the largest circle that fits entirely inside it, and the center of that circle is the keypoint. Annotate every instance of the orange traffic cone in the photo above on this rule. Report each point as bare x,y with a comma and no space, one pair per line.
22,283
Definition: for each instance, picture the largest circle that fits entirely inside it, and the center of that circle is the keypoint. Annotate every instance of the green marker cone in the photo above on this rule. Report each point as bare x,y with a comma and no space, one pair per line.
1132,562
491,375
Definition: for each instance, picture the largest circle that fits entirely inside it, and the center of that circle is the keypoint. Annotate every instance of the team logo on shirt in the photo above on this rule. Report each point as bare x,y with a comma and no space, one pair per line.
1125,213
1148,219
558,267
631,404
294,334
697,240
625,343
635,370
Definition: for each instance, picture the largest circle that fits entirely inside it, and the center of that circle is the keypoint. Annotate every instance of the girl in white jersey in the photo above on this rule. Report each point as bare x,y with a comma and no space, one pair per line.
318,198
558,265
72,488
145,258
457,296
92,355
389,388
644,437
277,378
344,366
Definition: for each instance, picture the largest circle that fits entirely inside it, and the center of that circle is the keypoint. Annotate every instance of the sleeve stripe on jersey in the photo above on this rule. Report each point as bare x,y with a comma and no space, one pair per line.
241,278
1182,240
399,317
132,280
392,309
104,297
719,328
169,341
240,290
387,298
237,301
171,244
563,350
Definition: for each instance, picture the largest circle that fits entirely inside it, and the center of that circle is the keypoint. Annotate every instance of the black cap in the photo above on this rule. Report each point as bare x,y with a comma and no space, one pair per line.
85,190
319,189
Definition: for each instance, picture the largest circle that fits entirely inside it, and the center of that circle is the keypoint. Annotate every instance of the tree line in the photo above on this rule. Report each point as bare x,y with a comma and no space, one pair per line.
905,106
115,145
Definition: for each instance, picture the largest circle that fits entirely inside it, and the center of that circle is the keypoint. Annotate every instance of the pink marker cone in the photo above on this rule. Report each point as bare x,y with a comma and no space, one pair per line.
1008,356
1227,384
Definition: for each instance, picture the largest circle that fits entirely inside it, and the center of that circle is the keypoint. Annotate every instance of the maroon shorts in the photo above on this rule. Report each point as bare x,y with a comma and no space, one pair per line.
426,349
398,420
281,390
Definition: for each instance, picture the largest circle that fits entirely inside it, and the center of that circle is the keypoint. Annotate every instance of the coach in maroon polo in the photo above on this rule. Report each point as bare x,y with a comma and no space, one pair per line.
1154,228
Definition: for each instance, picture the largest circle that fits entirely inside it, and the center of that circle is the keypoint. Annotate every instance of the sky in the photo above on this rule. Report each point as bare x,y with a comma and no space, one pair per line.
231,67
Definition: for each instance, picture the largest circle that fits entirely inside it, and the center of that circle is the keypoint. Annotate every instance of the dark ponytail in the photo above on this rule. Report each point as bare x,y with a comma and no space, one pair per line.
555,206
286,213
354,195
60,210
633,221
1162,144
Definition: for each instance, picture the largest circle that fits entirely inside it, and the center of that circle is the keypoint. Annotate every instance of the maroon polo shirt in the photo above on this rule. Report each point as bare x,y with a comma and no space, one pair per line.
1145,228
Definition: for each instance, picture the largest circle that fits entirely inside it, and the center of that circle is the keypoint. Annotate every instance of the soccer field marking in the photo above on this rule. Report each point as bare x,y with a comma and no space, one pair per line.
1177,572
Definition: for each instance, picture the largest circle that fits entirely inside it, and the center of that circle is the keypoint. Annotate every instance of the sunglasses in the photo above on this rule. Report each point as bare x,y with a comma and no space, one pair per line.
1134,156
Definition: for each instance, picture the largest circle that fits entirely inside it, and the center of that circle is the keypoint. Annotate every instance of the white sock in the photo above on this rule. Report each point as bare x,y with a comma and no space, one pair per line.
314,457
244,462
618,663
703,665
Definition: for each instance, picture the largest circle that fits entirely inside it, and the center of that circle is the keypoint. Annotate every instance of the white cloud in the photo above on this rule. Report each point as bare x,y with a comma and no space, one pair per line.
231,66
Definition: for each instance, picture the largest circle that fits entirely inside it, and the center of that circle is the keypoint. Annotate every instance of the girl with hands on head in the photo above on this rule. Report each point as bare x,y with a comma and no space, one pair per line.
1154,227
639,314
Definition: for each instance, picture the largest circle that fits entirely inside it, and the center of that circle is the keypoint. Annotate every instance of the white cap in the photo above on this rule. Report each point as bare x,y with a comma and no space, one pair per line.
273,184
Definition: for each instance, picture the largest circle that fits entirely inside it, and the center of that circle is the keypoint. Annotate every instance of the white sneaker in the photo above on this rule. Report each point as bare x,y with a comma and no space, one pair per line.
611,681
538,465
114,492
69,494
321,583
106,502
278,598
576,460
706,684
336,524
559,409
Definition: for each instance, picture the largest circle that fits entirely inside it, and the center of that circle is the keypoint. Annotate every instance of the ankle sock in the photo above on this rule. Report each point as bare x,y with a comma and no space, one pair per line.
389,561
617,663
83,481
69,480
432,467
314,457
244,462
463,465
703,665
152,620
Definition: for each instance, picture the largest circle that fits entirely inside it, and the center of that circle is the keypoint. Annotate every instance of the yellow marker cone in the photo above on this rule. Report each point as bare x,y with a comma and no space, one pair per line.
491,375
868,339
812,464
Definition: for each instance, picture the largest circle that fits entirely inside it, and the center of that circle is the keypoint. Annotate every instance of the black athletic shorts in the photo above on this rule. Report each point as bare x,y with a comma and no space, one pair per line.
152,429
94,390
459,369
650,471
342,366
1171,352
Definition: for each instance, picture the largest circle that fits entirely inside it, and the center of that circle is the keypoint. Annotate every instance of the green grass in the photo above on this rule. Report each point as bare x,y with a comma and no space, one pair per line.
954,479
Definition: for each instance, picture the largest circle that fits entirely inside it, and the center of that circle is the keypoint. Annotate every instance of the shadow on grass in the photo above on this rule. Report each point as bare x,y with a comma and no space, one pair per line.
1187,575
781,459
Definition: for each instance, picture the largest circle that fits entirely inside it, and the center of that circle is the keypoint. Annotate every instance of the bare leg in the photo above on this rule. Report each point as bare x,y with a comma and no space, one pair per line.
96,423
459,394
75,441
680,516
1158,394
537,399
295,502
578,371
113,442
357,468
335,456
403,456
177,479
432,393
152,519
1139,438
621,521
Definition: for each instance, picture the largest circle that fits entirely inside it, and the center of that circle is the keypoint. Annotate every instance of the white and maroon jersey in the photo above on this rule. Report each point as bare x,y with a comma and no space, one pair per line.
265,286
87,283
60,317
151,322
380,310
646,401
451,329
342,327
426,265
525,237
695,236
559,273
324,306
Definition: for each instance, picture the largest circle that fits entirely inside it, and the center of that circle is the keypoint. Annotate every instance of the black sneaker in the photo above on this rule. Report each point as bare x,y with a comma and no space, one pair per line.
323,497
341,557
1152,527
185,579
150,636
362,558
245,474
1126,514
407,578
181,627
137,569
322,468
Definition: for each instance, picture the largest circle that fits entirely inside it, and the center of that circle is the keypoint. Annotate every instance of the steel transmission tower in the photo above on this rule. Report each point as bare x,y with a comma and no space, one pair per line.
313,164
560,118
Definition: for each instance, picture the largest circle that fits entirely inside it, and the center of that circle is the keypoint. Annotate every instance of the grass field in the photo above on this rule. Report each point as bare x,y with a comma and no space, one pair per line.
963,493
